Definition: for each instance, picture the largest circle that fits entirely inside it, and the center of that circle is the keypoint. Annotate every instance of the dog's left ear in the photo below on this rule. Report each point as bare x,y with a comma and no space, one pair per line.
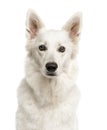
33,24
73,27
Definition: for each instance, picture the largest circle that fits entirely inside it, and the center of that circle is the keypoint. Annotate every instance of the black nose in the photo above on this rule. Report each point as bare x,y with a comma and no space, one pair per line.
51,66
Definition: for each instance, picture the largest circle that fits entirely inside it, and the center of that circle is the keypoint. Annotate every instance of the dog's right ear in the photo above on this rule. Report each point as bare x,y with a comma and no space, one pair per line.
33,24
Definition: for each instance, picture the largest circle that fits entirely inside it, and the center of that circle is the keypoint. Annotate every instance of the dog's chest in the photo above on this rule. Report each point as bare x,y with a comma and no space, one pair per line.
61,118
33,116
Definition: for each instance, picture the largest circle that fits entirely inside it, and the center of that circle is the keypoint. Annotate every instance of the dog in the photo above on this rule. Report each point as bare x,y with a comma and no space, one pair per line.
48,96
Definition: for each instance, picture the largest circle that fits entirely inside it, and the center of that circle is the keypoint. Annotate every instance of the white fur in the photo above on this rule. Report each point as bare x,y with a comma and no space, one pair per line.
49,102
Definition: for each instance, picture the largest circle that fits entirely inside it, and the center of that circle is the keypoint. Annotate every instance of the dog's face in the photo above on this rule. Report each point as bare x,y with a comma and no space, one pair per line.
52,50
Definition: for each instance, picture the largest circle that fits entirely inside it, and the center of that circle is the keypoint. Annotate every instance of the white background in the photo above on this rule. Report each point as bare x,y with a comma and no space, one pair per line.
92,80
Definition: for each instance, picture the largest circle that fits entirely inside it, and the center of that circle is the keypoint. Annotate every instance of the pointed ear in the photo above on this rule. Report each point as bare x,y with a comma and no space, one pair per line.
73,26
33,24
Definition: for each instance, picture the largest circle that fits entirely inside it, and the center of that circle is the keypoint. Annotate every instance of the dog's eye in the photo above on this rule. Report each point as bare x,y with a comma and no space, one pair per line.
42,48
61,49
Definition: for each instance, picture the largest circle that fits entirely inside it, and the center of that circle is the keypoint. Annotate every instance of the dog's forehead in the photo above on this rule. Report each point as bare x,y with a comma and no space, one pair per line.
54,36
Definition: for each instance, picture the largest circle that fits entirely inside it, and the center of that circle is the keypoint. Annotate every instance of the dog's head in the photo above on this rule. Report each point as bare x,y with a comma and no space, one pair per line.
52,50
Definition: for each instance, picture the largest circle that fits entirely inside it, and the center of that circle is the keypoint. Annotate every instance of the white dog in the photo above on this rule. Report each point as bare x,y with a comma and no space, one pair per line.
48,96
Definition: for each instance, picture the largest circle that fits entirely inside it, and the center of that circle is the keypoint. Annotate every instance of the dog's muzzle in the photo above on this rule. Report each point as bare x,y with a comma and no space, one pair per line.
51,67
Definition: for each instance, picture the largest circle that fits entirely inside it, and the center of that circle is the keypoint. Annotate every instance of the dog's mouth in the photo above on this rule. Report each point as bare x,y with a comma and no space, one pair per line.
51,74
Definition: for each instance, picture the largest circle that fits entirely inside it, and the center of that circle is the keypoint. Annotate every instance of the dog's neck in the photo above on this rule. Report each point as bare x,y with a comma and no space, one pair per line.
49,91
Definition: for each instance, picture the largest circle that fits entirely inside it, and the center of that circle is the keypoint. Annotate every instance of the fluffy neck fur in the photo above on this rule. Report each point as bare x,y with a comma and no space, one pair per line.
50,91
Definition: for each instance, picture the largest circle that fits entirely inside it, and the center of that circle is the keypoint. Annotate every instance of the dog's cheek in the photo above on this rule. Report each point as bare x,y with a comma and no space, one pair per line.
66,60
41,58
36,57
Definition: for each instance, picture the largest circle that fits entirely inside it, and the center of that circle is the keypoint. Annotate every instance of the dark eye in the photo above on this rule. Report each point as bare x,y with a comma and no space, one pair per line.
61,49
42,48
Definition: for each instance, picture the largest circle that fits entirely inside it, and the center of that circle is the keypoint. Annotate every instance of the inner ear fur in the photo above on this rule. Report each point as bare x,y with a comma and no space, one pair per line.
73,26
33,24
